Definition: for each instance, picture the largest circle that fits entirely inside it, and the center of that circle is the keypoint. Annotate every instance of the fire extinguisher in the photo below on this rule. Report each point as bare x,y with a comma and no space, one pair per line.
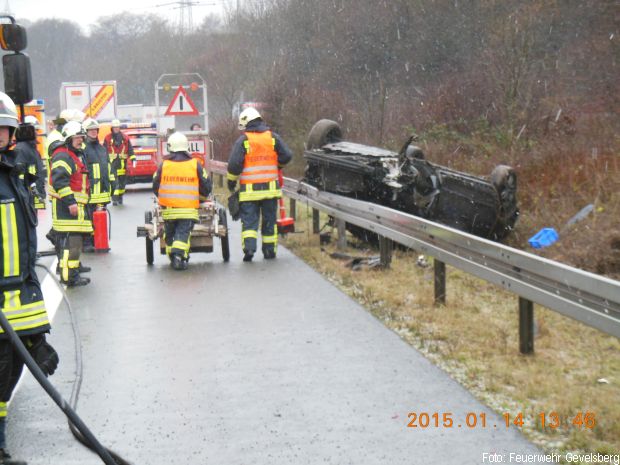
102,225
286,224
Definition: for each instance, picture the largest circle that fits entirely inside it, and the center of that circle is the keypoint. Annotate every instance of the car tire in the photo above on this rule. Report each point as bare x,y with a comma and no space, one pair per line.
323,132
504,179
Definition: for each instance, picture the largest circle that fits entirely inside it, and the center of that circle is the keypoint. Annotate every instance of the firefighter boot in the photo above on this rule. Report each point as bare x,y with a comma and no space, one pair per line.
269,254
177,262
77,281
5,459
84,268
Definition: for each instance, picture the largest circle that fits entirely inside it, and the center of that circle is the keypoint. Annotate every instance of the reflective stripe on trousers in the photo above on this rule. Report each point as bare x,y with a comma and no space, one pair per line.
177,236
251,213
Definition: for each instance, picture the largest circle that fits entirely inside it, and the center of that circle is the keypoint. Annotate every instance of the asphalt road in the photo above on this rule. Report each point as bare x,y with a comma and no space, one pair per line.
240,363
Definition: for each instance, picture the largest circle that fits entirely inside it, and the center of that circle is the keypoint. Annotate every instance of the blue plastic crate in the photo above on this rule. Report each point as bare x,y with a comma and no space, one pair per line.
543,238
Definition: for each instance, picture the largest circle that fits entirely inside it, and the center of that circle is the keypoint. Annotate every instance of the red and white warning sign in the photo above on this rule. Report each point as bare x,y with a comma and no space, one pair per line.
198,148
181,104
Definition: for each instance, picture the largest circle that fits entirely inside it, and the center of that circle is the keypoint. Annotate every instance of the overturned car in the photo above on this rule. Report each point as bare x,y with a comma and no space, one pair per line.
406,181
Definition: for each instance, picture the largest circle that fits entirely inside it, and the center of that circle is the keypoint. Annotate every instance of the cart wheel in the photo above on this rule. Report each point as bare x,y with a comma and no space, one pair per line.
149,251
224,239
148,218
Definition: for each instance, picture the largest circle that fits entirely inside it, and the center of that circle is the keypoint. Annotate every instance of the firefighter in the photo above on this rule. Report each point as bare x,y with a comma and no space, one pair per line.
53,141
21,297
98,165
55,135
180,184
70,219
254,160
35,170
119,149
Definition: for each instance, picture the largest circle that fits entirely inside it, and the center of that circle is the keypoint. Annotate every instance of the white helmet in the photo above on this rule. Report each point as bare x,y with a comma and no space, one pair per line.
8,112
65,115
77,115
90,123
116,123
31,119
177,142
247,115
71,129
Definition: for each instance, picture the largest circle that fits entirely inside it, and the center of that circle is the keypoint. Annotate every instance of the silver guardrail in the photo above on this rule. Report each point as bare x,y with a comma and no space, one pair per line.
586,297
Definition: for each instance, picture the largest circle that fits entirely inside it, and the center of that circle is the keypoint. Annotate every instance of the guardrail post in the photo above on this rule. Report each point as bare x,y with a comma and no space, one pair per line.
440,282
526,326
342,234
292,206
385,251
316,227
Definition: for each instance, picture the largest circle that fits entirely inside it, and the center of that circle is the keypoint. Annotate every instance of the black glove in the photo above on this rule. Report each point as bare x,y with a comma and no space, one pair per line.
43,353
232,185
233,205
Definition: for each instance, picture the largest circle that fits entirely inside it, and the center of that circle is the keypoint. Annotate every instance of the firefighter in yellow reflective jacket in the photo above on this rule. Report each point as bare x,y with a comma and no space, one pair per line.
180,184
70,219
254,160
34,170
54,140
21,298
55,134
98,166
119,149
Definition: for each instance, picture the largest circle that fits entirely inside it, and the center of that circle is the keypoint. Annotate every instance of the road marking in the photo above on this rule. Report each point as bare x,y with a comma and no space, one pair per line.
51,292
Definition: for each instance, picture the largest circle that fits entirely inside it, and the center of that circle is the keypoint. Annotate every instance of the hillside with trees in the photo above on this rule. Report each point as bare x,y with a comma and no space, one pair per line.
530,84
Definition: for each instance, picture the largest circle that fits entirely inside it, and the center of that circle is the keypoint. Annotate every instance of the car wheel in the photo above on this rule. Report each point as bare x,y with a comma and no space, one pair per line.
504,179
323,132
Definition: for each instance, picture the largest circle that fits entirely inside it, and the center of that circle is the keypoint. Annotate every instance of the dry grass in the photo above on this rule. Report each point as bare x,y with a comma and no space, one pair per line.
475,338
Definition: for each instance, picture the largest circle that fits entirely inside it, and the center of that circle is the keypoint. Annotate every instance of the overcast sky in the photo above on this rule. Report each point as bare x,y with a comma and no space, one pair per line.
86,12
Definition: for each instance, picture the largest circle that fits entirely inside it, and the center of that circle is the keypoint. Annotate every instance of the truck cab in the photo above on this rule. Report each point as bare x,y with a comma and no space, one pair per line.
143,138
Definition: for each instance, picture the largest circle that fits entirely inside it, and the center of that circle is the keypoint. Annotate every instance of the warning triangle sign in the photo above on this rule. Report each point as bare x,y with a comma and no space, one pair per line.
181,104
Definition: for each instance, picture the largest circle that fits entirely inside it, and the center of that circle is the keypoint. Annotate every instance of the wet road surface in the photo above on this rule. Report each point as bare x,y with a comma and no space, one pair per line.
237,363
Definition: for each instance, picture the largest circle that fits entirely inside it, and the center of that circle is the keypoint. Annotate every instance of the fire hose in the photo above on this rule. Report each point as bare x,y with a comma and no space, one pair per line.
76,425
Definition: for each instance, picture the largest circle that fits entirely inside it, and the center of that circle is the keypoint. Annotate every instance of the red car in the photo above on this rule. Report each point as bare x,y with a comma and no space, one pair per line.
143,138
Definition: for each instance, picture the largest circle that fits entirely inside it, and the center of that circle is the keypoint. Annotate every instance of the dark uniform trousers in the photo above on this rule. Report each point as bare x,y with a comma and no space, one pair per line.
10,370
250,213
118,167
176,235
